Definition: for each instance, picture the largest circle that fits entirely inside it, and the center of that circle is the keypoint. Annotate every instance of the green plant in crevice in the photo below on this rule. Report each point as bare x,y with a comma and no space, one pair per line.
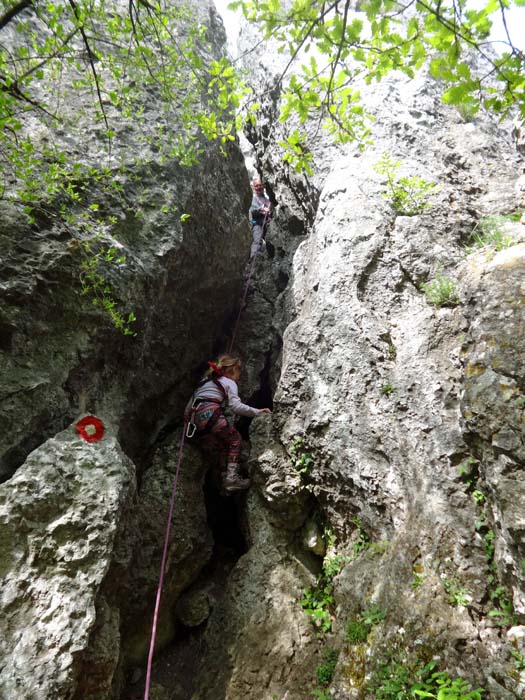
408,195
502,614
325,671
468,471
378,547
329,538
519,660
302,459
457,594
399,679
441,291
418,576
318,600
363,540
321,694
441,686
478,496
490,232
358,629
387,389
391,680
317,603
489,546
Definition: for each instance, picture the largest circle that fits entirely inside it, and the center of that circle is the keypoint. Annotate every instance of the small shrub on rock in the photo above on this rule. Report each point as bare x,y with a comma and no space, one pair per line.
441,291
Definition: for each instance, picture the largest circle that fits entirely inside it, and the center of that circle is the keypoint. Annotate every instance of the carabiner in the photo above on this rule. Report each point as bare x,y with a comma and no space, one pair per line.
190,429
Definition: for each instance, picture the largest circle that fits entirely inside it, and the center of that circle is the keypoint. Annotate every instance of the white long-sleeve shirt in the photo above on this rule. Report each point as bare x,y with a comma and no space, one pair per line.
209,390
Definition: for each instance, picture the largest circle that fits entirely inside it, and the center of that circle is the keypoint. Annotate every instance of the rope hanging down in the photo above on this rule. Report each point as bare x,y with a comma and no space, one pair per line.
163,567
246,287
174,493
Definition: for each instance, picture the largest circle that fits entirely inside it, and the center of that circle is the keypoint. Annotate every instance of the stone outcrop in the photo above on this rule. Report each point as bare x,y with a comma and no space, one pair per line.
59,354
411,412
78,601
60,518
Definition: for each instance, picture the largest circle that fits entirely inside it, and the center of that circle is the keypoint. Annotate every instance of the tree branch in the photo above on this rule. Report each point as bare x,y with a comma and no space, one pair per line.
14,11
15,92
91,62
339,50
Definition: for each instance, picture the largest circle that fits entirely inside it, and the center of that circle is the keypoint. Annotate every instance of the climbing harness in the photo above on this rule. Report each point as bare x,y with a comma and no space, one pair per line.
163,568
246,287
191,428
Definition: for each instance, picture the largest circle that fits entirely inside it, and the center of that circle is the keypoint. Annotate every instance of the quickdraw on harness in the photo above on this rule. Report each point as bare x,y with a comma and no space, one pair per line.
191,427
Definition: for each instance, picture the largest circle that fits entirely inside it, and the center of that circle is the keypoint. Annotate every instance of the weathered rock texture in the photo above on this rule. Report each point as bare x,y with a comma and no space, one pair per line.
411,418
77,598
60,517
59,354
413,413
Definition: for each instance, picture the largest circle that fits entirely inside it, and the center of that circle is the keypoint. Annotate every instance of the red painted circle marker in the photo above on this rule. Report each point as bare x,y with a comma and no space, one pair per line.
90,429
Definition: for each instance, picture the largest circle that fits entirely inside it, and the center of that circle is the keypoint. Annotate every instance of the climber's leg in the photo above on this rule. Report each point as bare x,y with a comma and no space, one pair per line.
231,440
257,239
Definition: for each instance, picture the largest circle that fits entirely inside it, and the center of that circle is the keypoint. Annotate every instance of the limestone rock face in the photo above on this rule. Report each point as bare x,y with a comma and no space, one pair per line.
409,412
256,644
493,404
82,558
59,520
60,355
394,455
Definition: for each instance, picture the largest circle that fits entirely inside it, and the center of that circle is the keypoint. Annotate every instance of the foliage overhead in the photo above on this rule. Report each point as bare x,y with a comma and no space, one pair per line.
91,93
107,59
112,56
332,47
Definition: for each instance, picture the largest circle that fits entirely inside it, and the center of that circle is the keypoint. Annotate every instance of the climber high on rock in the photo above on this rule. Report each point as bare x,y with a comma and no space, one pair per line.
205,417
260,214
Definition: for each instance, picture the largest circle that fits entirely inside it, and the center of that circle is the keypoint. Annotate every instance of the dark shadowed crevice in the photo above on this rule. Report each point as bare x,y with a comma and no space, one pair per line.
176,667
223,520
48,426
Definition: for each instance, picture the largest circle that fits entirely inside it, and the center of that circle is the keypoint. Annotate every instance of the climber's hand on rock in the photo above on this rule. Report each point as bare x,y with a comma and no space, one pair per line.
265,410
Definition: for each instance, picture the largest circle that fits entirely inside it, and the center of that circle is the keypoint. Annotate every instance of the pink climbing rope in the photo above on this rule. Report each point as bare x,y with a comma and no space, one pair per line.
245,290
163,567
243,299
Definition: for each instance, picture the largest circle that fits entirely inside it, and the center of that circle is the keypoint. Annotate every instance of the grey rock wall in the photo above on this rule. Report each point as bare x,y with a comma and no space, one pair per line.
409,410
82,546
60,517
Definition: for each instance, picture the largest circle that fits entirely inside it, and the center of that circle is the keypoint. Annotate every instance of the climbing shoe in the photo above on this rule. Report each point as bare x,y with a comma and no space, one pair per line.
235,483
